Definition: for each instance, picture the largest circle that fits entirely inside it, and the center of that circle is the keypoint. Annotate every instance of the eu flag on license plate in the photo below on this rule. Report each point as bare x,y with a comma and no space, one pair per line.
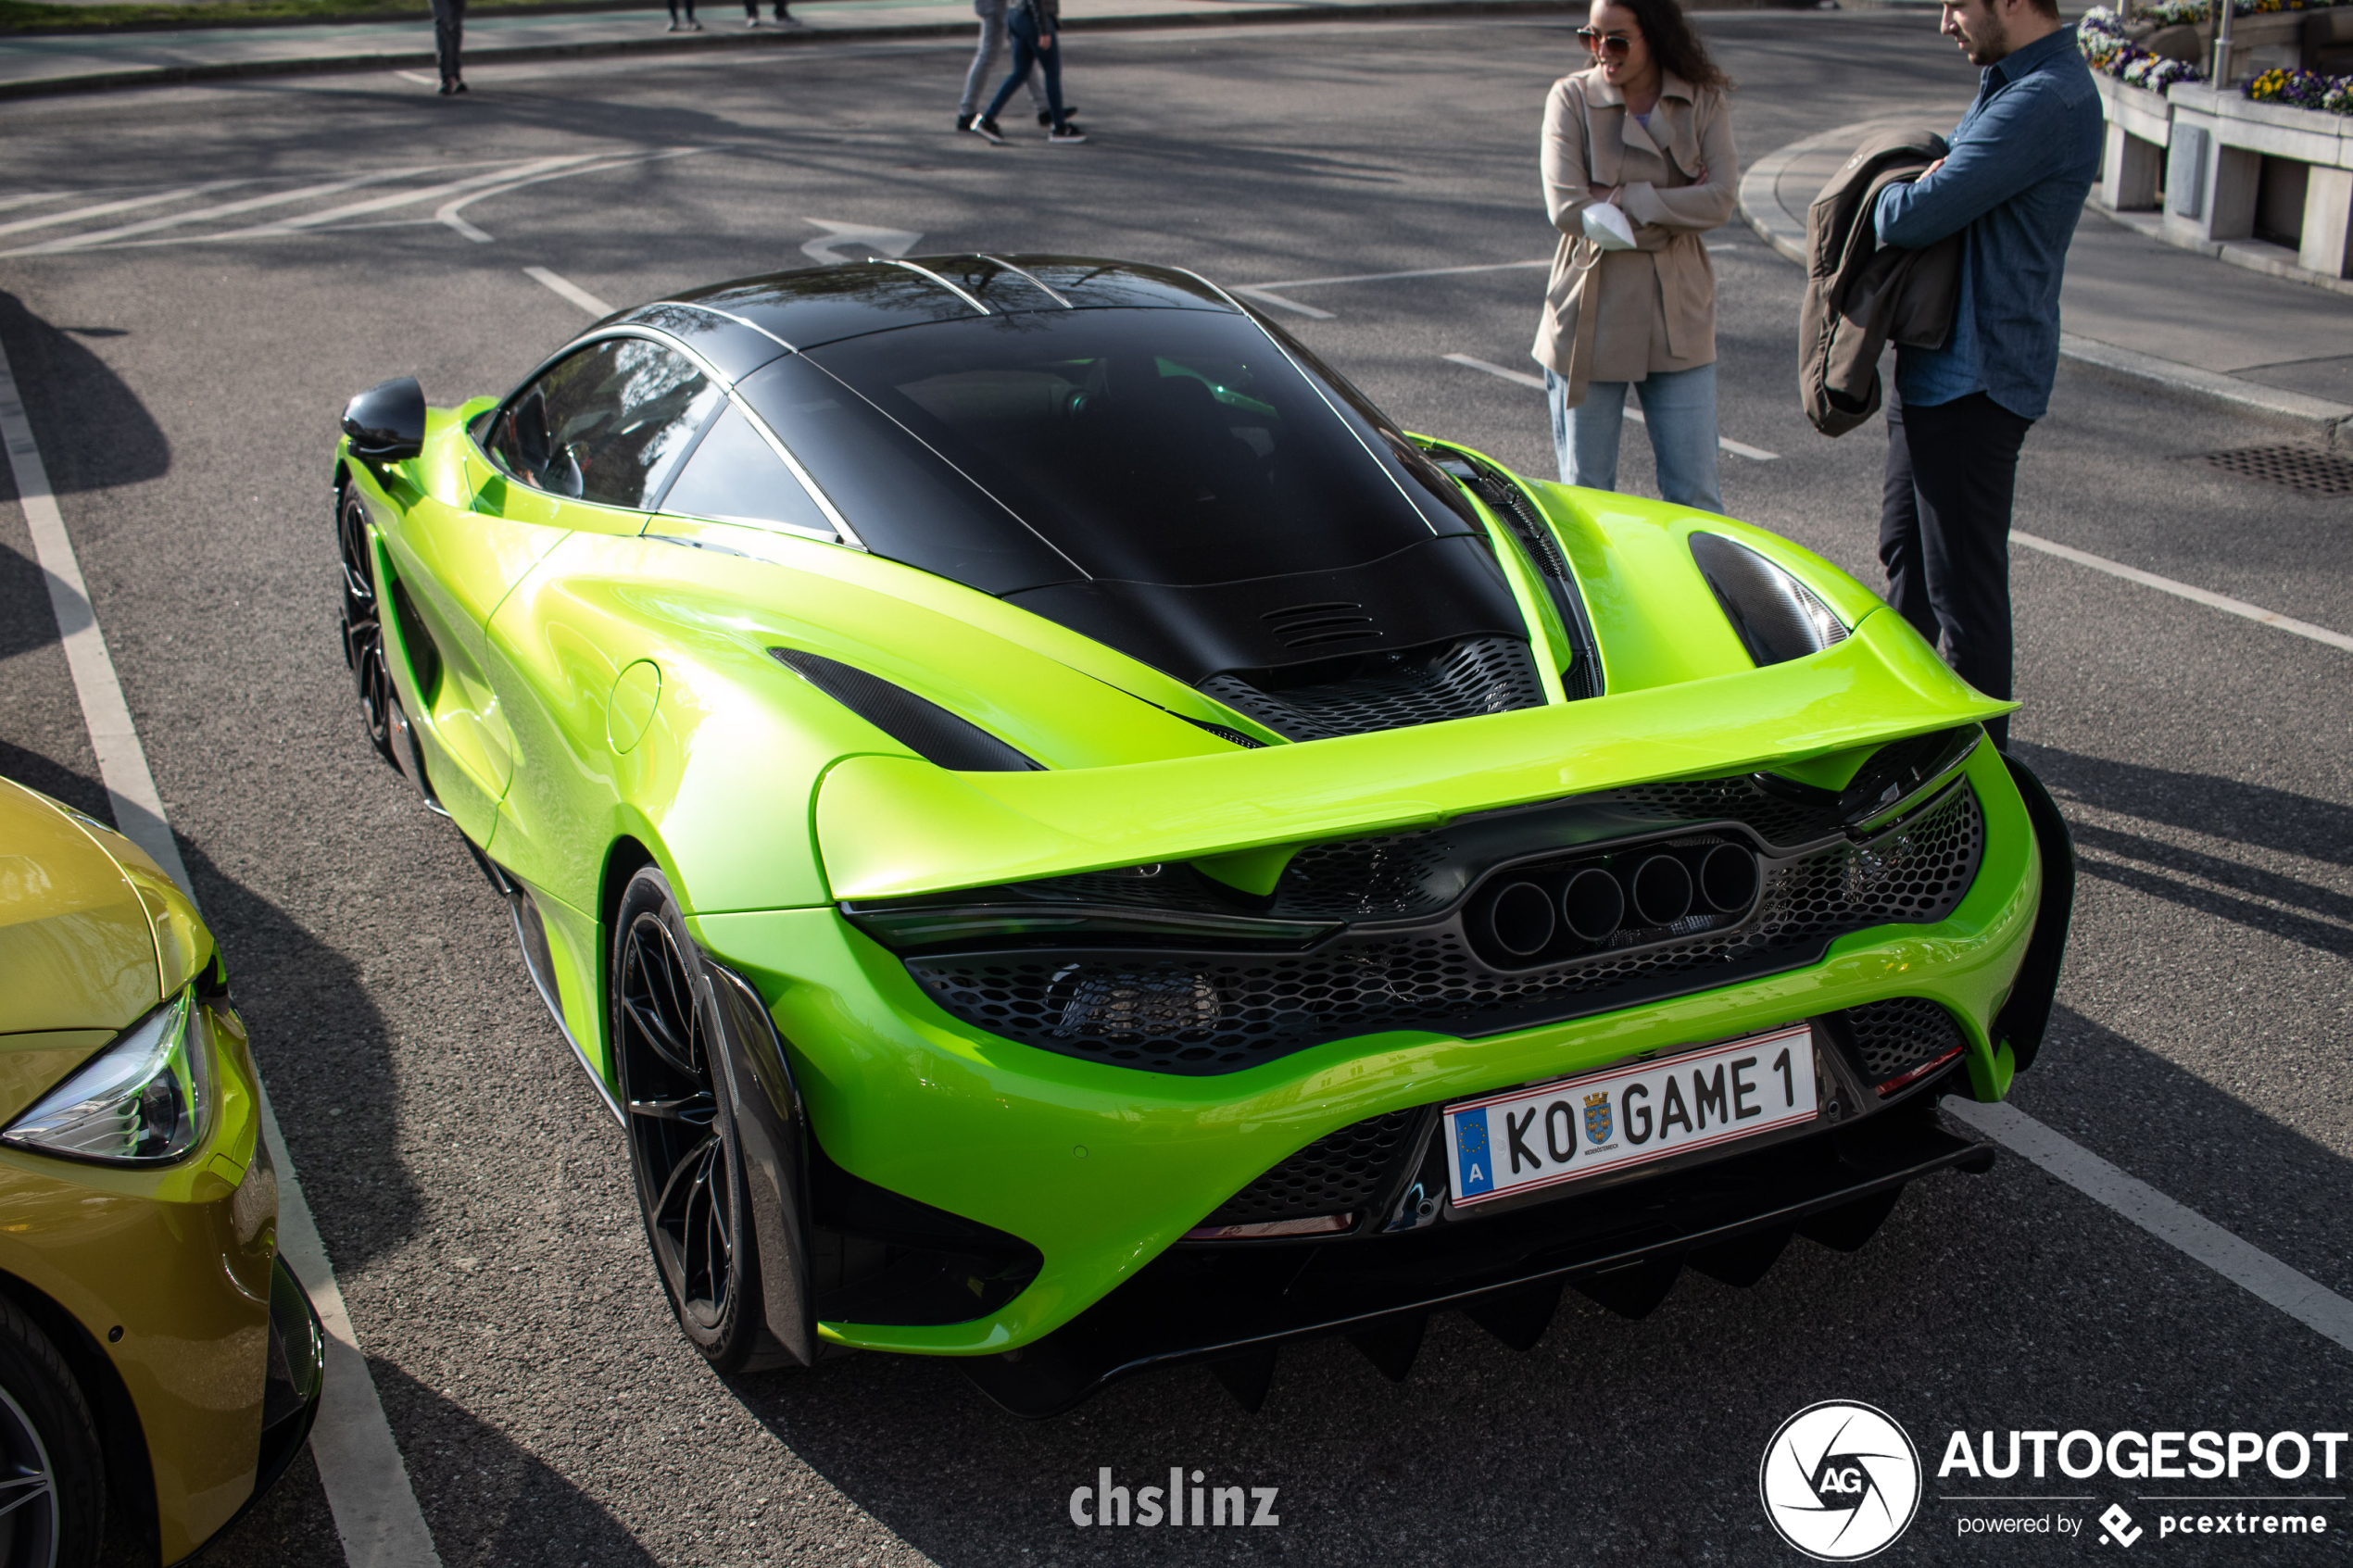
1477,1170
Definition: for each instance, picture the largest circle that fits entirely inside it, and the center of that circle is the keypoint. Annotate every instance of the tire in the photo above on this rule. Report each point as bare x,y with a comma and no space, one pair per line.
363,635
49,1455
684,1154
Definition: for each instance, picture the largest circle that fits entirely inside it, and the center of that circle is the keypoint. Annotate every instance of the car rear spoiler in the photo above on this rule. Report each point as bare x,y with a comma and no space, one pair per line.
890,826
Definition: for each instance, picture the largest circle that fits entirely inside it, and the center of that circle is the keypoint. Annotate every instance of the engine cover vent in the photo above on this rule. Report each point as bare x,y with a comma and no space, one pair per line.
1387,691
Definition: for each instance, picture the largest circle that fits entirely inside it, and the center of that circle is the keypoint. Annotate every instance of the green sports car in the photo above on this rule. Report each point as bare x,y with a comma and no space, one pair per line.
1069,841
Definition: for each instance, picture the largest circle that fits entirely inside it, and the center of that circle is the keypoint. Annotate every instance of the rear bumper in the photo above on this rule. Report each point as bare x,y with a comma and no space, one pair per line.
1216,1304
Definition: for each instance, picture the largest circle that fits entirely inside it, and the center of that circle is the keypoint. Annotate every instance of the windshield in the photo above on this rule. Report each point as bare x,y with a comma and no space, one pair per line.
1148,445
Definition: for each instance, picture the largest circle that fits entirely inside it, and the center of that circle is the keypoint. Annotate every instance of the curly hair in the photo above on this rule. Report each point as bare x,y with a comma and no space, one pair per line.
1674,44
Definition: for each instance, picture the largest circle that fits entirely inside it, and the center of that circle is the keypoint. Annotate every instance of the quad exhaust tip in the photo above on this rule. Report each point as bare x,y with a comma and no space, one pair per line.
1551,913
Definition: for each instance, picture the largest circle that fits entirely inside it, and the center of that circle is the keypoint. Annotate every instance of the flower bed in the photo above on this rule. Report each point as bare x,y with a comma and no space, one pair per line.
2169,12
2101,37
2303,90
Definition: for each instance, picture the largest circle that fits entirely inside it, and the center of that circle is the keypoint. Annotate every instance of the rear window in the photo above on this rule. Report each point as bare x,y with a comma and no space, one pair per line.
1167,446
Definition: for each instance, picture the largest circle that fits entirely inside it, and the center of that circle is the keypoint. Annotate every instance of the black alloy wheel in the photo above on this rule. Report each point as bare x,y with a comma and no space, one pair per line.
363,633
51,1477
683,1148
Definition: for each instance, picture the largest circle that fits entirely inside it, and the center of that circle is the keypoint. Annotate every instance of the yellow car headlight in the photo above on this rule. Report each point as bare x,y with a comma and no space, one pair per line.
143,1101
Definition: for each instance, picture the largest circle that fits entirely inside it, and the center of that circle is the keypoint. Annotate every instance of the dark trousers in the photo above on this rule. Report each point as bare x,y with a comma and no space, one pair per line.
1023,27
448,32
1944,533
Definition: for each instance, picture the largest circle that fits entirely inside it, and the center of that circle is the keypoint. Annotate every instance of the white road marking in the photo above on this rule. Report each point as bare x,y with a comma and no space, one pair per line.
420,78
2222,602
1263,297
857,237
407,199
1738,448
107,209
448,212
202,214
8,202
359,1464
1523,378
572,291
2304,1299
1264,292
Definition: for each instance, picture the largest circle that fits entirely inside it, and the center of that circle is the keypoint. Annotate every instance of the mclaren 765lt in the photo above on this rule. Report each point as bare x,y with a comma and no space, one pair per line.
1069,841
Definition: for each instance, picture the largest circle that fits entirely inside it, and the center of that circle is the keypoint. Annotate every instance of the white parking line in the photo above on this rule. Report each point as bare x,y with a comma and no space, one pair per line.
570,291
2222,602
2304,1299
1522,378
359,1465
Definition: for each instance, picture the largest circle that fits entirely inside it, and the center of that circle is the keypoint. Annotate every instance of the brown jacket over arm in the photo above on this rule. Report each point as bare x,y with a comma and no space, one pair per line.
1859,295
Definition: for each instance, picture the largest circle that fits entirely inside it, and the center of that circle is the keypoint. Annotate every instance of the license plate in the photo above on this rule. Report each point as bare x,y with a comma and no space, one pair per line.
1524,1139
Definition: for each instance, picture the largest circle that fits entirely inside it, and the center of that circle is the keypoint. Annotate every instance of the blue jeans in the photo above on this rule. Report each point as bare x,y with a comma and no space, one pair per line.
1678,406
1023,26
992,44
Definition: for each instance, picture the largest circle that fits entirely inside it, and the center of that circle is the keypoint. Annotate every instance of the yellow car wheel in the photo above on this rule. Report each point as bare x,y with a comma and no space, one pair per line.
53,1479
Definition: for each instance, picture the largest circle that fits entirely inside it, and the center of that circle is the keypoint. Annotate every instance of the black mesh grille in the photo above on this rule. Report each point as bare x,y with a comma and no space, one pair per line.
1392,691
1218,1012
1777,820
1338,1174
1893,1037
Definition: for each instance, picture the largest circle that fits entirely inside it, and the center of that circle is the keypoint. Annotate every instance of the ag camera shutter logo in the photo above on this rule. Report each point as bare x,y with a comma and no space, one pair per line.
1840,1481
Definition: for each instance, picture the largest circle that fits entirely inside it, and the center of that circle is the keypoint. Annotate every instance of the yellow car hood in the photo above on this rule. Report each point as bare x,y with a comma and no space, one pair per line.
77,946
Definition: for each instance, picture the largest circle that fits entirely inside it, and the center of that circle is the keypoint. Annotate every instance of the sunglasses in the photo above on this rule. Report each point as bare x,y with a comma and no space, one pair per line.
1617,46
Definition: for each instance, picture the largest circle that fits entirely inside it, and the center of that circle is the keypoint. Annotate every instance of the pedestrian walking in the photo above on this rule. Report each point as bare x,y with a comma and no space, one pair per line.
449,36
992,44
1032,24
1637,162
2012,184
685,23
784,18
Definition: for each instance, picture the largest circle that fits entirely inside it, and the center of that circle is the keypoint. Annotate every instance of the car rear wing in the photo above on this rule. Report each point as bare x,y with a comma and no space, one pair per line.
890,826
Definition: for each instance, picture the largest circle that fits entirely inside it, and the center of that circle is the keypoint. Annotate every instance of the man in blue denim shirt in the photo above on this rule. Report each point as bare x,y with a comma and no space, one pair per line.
2022,161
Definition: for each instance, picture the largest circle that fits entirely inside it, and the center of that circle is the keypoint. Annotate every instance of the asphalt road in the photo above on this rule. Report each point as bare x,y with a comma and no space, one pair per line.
473,1192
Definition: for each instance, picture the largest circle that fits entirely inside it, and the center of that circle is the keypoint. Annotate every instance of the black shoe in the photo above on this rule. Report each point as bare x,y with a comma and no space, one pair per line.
963,122
1065,134
462,84
1044,117
448,88
987,127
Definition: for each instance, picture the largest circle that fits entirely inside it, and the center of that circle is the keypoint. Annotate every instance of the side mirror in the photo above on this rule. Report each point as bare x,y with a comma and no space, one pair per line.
386,424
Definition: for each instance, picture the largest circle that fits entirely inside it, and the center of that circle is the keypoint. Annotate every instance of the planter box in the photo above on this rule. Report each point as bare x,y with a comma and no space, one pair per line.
2219,140
2140,127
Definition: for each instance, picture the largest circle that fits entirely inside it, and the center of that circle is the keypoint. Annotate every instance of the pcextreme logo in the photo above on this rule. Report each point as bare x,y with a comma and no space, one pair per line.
1840,1481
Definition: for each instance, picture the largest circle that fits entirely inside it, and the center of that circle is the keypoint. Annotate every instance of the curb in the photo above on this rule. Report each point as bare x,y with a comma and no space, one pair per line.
2331,422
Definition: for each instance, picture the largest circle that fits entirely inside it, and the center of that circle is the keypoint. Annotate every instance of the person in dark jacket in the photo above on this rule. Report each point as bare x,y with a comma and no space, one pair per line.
1033,24
2022,161
448,35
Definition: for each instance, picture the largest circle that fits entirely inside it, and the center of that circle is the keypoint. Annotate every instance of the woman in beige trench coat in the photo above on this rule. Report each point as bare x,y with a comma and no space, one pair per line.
1647,131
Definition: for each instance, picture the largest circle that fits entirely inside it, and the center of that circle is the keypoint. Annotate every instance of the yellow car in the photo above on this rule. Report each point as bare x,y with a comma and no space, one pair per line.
159,1365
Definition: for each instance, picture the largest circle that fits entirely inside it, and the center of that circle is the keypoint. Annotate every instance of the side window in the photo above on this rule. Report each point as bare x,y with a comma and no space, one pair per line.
607,424
735,476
